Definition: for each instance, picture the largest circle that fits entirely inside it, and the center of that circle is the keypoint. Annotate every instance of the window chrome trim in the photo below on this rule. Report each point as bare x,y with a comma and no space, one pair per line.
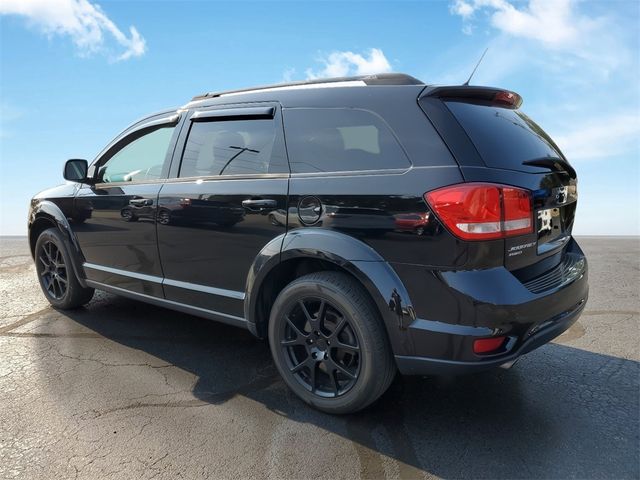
241,176
352,173
148,181
380,171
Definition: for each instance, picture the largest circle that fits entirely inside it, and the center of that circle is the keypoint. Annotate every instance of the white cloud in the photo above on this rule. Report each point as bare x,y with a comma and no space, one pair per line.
86,23
288,74
341,64
462,8
603,138
556,24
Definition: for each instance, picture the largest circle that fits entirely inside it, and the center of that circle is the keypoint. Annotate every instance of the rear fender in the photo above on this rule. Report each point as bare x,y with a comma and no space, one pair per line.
358,259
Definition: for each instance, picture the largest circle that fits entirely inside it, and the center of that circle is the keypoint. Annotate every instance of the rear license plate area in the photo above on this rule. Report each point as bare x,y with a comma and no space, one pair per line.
554,223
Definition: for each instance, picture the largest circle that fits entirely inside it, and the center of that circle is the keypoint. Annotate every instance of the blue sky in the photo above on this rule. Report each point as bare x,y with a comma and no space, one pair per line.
73,73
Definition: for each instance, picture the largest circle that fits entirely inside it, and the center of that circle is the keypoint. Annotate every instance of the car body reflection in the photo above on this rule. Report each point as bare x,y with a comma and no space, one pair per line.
362,221
415,222
358,220
186,212
278,217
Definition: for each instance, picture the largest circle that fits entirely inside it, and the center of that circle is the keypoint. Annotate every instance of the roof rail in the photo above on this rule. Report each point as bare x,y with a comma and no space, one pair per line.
377,79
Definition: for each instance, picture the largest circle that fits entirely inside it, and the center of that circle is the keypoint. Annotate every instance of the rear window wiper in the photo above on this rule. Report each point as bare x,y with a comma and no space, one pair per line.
555,164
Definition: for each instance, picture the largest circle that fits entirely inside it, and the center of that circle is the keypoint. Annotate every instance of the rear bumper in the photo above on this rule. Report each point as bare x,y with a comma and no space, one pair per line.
455,308
410,365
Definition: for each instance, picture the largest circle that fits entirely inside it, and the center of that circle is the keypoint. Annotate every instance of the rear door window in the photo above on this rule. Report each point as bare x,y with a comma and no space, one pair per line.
233,147
504,138
339,140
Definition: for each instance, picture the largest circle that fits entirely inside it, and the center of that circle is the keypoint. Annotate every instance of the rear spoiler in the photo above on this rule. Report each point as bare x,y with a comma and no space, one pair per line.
497,96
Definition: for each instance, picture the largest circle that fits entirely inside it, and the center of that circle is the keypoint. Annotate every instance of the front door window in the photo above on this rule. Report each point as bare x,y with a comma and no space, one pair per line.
139,160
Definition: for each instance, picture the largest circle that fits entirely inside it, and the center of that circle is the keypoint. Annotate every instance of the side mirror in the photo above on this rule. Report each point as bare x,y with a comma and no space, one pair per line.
75,170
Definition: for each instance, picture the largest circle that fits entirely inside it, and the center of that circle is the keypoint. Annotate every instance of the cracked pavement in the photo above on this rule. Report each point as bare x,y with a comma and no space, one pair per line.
122,390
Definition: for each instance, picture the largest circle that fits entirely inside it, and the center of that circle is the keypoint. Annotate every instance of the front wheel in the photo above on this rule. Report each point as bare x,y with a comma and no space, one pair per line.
329,344
55,272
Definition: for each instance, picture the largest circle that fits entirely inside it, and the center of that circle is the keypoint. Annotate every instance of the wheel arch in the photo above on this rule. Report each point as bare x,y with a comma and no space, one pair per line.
303,251
46,214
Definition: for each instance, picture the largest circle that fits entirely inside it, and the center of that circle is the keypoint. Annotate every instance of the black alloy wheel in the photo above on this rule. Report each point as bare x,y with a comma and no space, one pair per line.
53,271
56,274
329,342
321,347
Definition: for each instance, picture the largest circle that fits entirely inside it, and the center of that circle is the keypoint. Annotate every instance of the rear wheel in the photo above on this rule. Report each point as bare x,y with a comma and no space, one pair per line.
329,344
55,272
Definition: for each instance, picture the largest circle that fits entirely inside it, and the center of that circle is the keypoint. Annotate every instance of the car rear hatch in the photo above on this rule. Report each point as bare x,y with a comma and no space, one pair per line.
494,142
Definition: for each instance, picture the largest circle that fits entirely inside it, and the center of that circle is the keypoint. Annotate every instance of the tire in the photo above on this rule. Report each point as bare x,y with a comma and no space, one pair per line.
55,272
348,374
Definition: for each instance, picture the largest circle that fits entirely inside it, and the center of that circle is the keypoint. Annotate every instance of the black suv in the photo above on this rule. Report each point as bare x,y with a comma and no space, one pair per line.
363,225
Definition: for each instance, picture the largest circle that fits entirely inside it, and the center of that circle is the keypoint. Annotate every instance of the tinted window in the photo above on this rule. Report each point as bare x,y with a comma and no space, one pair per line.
504,138
140,160
335,140
232,147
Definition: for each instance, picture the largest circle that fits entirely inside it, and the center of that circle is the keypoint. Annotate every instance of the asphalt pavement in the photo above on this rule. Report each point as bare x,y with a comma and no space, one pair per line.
121,390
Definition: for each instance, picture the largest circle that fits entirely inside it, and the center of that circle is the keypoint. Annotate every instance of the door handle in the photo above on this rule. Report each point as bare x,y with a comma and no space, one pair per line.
259,204
140,202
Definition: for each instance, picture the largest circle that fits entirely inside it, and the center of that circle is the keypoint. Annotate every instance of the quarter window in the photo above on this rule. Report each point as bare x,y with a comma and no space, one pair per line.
233,147
340,139
139,160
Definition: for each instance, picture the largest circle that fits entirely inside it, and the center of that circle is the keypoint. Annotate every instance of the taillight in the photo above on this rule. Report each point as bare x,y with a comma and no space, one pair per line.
518,211
483,211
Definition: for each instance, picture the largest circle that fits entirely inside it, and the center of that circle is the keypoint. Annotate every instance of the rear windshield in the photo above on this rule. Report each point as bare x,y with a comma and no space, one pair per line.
504,138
